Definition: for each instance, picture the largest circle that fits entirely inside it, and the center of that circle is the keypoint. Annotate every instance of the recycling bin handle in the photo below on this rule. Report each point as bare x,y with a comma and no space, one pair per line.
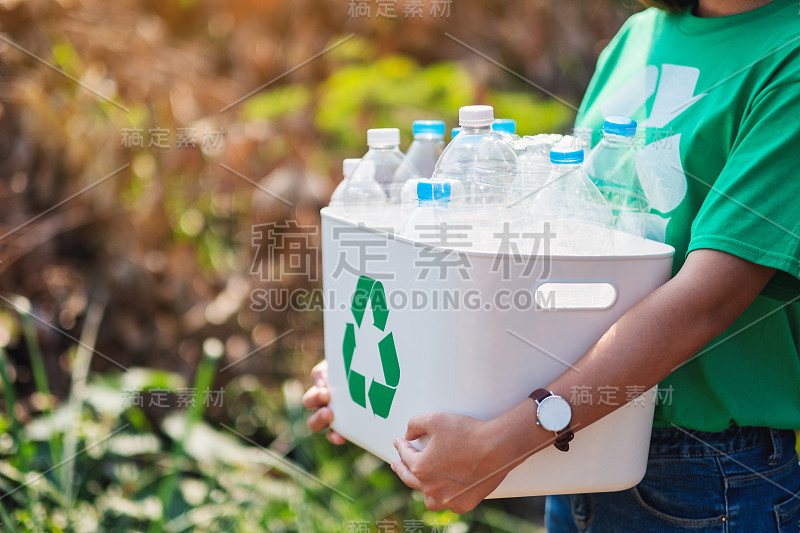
574,295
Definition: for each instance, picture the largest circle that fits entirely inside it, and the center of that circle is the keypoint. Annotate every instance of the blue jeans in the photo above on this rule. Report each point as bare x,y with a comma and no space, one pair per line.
740,480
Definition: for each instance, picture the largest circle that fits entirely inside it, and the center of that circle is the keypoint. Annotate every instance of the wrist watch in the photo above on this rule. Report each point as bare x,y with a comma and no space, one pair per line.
554,414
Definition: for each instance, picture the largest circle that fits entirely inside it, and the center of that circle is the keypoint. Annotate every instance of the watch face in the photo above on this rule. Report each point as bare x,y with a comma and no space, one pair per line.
554,413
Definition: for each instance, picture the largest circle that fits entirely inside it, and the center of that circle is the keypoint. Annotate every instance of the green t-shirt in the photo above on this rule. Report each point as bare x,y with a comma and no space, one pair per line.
718,100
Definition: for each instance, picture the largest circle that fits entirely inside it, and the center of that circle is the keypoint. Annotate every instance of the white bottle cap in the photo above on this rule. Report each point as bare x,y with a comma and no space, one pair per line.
476,116
349,165
383,137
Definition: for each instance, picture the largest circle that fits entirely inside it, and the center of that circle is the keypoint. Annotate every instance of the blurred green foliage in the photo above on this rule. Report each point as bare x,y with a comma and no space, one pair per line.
370,91
170,238
218,478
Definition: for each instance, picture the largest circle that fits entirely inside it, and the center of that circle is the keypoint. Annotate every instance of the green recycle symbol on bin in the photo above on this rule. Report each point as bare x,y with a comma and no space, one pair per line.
370,291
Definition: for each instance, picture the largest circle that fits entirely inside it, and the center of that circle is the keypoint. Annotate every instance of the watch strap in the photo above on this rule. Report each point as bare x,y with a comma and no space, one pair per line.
539,394
564,436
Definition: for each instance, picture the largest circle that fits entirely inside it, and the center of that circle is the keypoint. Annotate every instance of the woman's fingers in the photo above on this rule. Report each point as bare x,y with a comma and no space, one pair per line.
433,504
405,475
418,426
409,456
320,374
316,397
320,419
335,438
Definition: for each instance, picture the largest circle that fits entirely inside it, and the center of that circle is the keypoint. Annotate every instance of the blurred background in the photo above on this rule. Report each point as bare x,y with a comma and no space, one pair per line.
152,154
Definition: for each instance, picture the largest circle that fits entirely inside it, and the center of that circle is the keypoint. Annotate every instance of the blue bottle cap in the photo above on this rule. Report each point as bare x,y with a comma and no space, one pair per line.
508,125
429,191
619,126
454,132
435,127
566,155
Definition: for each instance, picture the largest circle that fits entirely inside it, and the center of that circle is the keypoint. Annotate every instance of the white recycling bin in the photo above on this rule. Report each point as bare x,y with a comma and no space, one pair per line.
411,329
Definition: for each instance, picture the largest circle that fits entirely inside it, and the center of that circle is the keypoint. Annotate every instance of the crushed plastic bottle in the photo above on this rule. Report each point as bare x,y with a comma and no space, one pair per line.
571,208
534,160
507,128
612,167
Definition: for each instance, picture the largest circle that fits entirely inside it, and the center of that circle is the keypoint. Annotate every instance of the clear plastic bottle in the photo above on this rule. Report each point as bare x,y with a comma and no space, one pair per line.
408,199
453,133
425,223
507,127
574,209
427,146
423,153
389,166
534,161
480,158
612,167
359,197
348,166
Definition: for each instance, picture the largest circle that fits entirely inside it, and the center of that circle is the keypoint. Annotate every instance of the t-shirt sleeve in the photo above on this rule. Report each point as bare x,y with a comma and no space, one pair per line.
753,208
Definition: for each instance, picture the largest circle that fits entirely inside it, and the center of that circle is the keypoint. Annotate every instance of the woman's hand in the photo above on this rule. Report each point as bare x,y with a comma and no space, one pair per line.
318,397
466,458
460,465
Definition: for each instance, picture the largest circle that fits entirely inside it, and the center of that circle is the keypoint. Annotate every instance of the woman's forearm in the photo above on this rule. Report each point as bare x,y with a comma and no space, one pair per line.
645,345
